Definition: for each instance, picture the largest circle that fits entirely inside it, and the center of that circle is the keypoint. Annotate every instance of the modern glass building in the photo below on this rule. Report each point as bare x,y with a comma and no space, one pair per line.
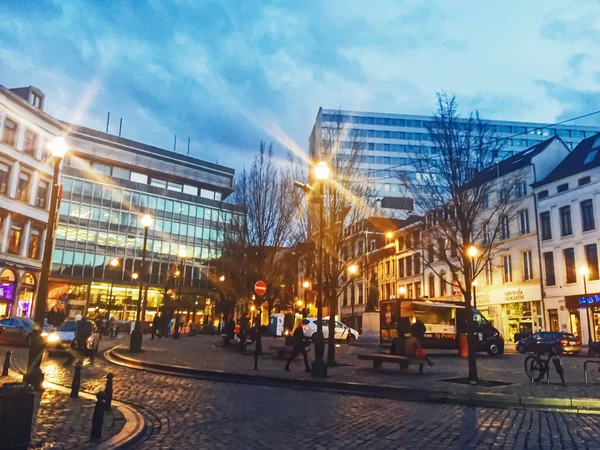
387,140
109,183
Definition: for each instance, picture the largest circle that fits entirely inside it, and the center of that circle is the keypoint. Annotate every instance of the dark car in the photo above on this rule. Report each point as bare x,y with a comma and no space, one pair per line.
544,341
17,330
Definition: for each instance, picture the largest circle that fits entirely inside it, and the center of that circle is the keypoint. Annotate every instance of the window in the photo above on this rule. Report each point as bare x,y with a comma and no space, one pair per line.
566,228
34,244
4,178
524,222
591,256
486,233
569,256
41,196
9,133
431,286
562,187
417,263
504,227
401,267
503,194
527,265
158,183
587,215
104,169
409,266
506,269
23,187
584,180
139,177
119,172
175,187
590,157
30,143
192,190
546,226
542,194
549,264
14,238
418,293
205,193
489,275
442,283
430,253
522,189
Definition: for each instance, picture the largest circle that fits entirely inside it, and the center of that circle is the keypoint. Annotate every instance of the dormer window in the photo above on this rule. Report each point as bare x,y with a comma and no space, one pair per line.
36,101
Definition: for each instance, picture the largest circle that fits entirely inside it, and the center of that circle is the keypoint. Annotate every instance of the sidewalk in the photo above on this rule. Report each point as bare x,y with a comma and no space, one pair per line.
202,353
64,423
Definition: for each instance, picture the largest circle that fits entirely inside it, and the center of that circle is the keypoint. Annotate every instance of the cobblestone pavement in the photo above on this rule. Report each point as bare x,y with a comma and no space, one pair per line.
202,352
187,413
63,423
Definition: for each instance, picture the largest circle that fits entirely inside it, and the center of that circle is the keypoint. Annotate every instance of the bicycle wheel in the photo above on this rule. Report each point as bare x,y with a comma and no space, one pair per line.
537,369
527,365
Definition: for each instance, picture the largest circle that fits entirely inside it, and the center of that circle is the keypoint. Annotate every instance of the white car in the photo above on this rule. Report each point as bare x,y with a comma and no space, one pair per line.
61,339
342,332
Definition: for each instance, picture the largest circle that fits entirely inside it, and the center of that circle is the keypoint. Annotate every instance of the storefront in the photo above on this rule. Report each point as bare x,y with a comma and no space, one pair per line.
584,315
26,295
517,312
8,282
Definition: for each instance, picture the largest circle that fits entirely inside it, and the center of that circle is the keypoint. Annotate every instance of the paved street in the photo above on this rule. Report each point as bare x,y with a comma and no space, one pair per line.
185,413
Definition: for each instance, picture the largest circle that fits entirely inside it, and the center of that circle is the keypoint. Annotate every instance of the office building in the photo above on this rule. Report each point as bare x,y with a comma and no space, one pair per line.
25,181
387,139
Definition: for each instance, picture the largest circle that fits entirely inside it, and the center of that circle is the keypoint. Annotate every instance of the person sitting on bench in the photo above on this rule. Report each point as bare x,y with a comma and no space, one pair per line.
413,348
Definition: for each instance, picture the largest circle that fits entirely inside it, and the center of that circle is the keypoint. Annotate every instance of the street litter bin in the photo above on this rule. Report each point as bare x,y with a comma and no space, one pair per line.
463,345
16,415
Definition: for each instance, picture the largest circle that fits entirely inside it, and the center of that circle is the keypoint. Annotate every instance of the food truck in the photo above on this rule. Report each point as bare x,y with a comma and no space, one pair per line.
444,323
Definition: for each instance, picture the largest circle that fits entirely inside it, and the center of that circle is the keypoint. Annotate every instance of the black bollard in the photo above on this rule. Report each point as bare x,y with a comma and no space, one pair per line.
6,366
108,391
257,350
98,417
76,381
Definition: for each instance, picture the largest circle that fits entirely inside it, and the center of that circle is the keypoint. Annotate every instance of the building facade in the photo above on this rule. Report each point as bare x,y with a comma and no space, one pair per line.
25,183
568,201
387,140
109,183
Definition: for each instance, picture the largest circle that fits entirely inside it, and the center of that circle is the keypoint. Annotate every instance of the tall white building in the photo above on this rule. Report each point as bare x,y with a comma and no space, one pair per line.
388,138
568,201
25,183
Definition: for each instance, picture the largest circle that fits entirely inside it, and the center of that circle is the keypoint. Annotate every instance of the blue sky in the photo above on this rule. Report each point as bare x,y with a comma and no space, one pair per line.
230,73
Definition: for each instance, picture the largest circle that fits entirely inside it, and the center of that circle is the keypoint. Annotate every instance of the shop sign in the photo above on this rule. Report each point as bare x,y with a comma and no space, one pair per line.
511,295
590,300
6,291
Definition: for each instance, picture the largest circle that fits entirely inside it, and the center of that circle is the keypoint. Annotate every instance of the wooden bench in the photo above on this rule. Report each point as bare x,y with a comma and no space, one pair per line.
404,361
283,351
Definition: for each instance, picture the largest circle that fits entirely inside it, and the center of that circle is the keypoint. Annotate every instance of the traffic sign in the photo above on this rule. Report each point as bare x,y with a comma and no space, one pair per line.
260,288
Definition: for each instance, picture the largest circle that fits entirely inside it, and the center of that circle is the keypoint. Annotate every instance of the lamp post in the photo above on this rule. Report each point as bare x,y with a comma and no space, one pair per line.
584,272
352,271
34,375
322,174
472,252
402,291
135,341
179,273
113,263
299,304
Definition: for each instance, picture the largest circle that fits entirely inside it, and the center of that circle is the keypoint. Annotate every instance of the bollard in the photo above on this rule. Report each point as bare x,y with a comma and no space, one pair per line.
76,381
98,417
257,350
16,415
108,391
6,366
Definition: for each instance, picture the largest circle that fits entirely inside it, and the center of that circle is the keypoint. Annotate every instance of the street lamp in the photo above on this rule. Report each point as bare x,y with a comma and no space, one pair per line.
472,252
179,273
113,263
135,341
306,285
584,271
475,283
222,278
352,271
322,173
402,291
34,375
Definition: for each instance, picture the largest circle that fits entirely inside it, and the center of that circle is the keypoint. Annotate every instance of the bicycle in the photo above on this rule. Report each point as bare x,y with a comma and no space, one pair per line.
537,368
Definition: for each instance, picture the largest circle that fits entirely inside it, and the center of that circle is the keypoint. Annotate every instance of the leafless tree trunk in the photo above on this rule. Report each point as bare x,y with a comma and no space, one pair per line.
452,188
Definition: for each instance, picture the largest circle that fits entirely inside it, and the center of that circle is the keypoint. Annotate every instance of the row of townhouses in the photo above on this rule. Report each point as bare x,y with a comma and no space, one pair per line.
108,183
544,274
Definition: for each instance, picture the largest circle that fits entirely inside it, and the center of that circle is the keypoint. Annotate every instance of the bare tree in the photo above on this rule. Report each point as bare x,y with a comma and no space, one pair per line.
254,244
452,188
347,198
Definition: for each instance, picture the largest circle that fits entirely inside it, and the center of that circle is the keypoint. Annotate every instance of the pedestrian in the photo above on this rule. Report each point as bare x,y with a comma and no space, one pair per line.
229,330
155,326
169,323
83,331
413,347
111,326
60,317
52,317
299,346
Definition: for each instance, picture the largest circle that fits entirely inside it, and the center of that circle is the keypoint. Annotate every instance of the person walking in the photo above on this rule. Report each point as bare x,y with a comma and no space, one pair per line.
156,327
83,331
298,346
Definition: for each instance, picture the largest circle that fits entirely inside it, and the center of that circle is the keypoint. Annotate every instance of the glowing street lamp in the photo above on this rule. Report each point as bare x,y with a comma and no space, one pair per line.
584,271
34,376
182,254
135,341
352,269
402,291
222,278
306,285
322,171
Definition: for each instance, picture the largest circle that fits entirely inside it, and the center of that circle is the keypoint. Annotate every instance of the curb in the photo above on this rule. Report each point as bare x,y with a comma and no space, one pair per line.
479,399
132,428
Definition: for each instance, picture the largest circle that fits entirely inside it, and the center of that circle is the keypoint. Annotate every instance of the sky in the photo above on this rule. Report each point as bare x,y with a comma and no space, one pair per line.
229,74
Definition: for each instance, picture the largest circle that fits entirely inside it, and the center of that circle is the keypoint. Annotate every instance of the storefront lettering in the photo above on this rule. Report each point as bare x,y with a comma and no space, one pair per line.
515,295
589,300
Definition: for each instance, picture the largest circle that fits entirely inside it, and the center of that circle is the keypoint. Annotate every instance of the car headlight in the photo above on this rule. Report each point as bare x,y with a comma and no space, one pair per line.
44,334
53,337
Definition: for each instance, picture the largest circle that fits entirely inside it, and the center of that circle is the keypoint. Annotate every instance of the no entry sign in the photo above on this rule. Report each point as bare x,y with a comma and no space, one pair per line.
260,288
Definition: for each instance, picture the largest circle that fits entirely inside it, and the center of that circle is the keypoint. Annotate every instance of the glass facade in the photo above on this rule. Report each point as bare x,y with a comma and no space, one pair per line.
100,222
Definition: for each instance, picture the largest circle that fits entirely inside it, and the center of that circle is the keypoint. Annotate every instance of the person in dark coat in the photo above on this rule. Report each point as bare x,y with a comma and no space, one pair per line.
229,330
156,322
299,348
83,331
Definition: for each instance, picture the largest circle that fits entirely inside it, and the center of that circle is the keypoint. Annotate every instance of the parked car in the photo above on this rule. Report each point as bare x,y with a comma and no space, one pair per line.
544,341
61,339
342,332
17,330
